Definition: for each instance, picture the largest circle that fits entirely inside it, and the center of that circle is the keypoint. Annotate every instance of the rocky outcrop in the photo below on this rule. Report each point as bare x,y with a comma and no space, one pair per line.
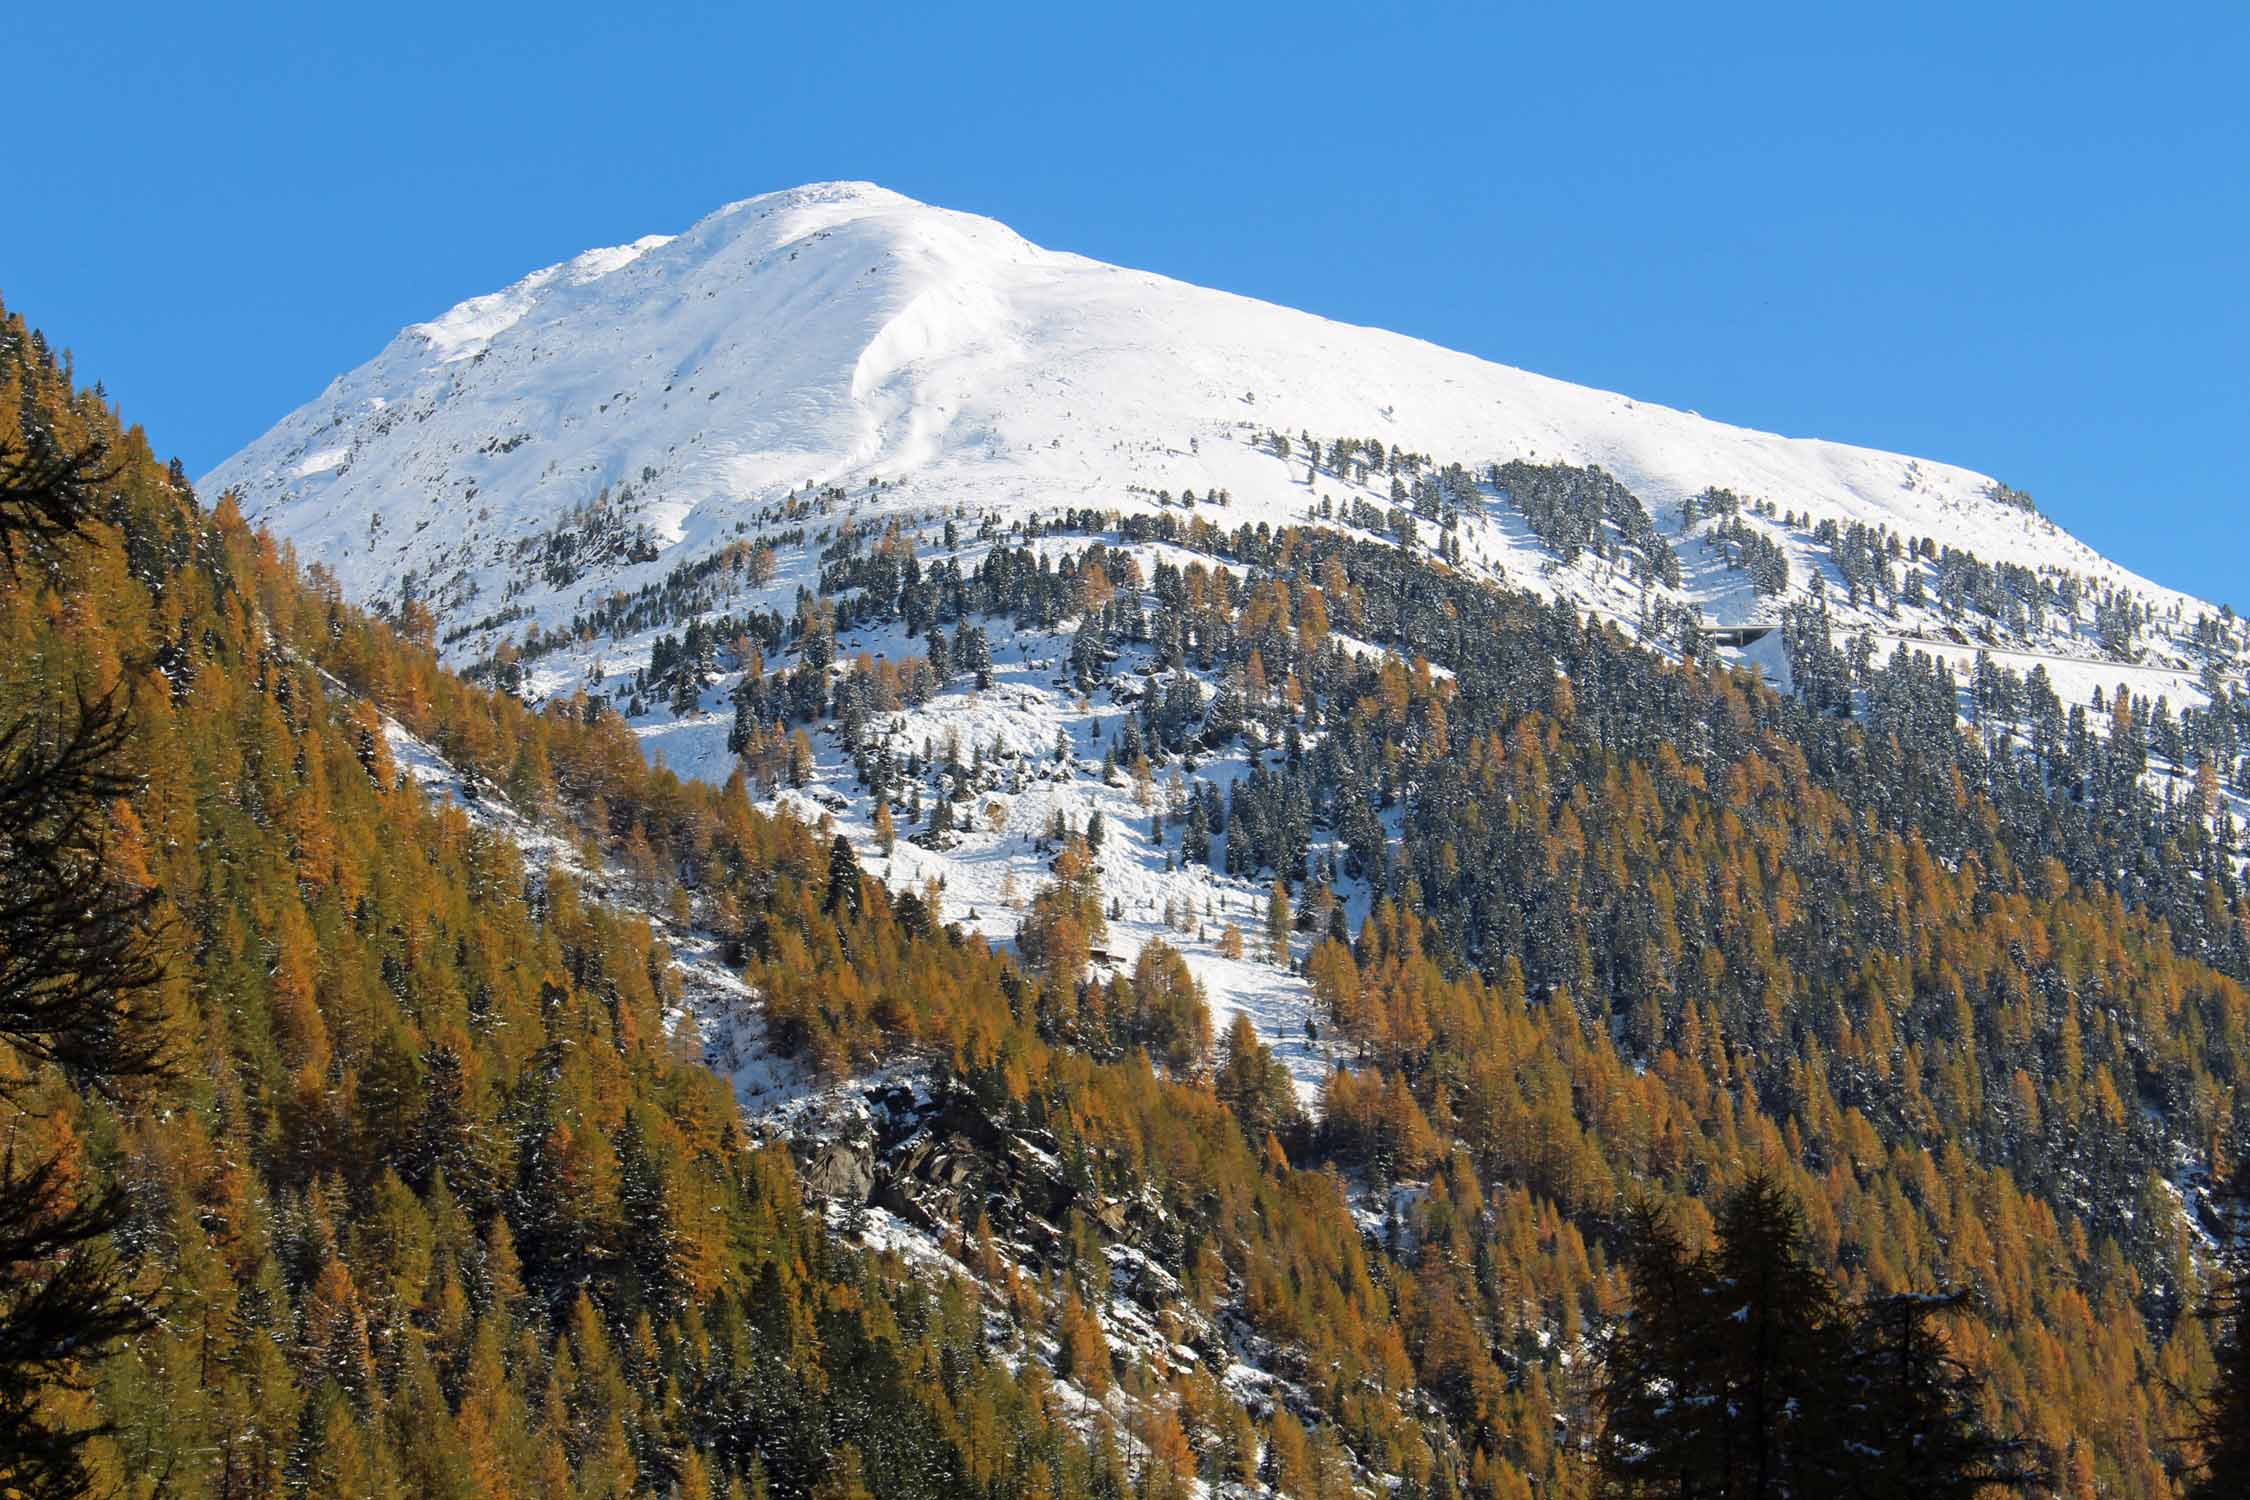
840,1172
938,1162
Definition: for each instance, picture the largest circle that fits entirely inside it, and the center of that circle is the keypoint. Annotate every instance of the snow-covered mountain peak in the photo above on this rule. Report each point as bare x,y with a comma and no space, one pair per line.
750,227
844,337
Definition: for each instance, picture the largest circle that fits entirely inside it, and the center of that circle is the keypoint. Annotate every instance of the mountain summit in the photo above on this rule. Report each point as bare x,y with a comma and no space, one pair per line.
840,334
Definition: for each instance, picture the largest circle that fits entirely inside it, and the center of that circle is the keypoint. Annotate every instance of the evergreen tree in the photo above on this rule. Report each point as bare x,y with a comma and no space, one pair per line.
1660,1416
843,898
1914,1411
1738,1376
1779,1342
78,985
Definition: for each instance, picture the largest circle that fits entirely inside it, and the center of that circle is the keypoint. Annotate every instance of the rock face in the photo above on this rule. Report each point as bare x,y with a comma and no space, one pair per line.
939,1163
952,1172
840,1172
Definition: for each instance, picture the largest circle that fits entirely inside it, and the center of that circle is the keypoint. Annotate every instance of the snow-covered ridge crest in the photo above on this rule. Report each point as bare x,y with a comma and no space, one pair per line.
468,328
775,219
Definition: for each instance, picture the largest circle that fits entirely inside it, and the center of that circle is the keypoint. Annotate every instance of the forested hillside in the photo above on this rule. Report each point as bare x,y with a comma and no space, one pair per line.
435,1196
1638,924
431,1200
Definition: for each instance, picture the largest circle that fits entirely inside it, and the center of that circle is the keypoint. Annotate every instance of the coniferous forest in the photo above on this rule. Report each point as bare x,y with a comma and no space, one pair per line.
1749,1095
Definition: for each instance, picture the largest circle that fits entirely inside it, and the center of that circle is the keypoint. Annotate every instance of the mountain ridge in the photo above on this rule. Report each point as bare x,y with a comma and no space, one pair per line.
839,333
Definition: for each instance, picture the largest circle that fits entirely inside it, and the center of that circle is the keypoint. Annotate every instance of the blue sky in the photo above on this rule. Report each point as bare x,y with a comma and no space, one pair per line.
2015,237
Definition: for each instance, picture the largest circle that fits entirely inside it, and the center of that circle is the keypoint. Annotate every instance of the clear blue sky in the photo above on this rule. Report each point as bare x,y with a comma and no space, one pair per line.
2015,237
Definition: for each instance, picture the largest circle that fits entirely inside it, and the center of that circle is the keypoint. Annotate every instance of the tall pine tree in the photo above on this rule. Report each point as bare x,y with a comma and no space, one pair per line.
1739,1376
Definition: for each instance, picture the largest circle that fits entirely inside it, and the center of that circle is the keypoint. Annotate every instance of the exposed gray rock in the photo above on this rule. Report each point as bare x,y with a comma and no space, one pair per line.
841,1172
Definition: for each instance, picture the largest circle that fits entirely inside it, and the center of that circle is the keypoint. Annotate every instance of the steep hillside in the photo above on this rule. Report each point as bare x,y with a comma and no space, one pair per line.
1408,749
433,1197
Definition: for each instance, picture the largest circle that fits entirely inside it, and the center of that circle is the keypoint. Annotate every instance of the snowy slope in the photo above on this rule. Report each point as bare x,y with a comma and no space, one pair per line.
840,332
